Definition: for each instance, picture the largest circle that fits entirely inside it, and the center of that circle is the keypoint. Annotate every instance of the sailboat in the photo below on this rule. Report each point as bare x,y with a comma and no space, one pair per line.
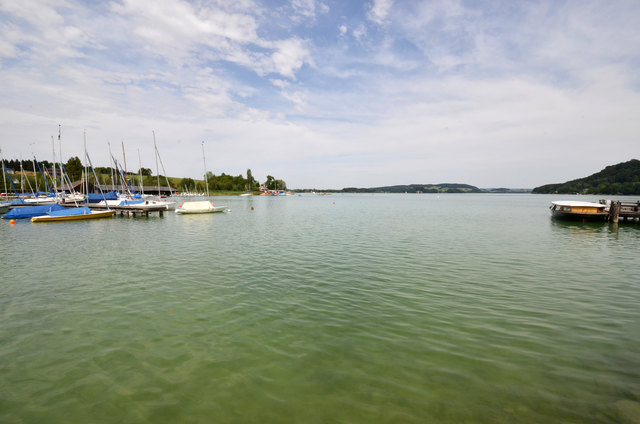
201,206
73,214
128,197
77,213
4,206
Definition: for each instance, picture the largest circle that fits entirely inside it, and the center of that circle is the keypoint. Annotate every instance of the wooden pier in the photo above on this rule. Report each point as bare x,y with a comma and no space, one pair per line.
624,211
142,210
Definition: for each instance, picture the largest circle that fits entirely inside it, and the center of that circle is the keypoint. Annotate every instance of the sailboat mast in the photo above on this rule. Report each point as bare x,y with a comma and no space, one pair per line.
140,170
205,169
62,173
86,166
113,181
35,175
55,175
124,158
60,146
4,177
21,175
155,147
64,177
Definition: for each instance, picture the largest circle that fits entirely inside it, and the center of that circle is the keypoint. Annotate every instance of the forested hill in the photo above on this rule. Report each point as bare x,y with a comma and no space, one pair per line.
417,188
623,178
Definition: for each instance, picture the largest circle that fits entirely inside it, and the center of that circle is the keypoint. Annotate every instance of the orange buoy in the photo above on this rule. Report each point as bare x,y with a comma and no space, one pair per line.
13,221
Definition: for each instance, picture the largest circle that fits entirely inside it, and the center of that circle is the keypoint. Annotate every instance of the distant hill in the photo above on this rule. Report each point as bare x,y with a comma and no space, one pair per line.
506,190
623,179
417,188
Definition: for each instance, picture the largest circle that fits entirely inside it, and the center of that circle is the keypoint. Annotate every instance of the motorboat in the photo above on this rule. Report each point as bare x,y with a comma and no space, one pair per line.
579,210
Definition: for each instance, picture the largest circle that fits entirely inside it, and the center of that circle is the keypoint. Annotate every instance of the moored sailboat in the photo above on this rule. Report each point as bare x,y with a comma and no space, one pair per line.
201,206
80,212
73,214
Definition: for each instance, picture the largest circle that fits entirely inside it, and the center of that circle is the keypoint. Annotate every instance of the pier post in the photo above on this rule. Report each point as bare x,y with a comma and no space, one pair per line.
614,212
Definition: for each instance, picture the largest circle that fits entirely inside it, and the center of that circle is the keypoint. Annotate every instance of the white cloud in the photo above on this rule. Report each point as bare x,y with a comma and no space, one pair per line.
379,10
182,33
306,8
360,32
298,98
46,33
290,56
280,83
8,41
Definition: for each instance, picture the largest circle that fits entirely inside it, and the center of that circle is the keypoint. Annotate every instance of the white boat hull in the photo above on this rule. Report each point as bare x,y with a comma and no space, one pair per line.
203,206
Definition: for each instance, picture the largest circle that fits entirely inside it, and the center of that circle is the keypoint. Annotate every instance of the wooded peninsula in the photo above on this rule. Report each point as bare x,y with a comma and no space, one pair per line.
620,179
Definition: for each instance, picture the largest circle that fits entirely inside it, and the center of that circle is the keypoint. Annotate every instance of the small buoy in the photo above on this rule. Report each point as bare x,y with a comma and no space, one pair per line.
251,207
13,221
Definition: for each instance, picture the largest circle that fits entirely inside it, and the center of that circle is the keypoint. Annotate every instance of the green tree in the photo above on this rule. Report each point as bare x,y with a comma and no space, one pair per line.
250,183
144,171
187,184
281,185
270,183
74,168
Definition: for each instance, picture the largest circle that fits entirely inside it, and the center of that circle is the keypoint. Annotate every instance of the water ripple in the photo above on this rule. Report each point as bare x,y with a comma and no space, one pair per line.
349,308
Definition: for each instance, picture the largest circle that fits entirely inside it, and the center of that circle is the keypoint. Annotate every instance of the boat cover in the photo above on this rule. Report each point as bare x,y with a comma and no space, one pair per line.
131,202
96,197
31,211
197,206
83,210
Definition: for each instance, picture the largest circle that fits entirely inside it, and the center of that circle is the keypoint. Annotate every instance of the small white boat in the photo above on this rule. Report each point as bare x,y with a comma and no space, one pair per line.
579,210
46,200
202,206
137,203
69,199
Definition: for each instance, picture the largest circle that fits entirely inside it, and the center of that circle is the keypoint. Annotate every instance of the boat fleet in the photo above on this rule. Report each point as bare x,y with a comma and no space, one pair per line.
61,202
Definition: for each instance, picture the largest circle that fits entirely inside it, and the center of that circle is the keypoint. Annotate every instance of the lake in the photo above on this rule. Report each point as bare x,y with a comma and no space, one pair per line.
349,308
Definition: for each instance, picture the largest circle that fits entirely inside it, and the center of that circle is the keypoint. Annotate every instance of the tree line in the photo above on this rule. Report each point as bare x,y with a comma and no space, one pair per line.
223,182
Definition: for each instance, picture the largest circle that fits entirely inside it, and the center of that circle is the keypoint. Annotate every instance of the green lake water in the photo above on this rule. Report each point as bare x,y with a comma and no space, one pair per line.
322,309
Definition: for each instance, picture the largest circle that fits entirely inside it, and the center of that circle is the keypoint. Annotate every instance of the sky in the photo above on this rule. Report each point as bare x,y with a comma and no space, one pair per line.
327,94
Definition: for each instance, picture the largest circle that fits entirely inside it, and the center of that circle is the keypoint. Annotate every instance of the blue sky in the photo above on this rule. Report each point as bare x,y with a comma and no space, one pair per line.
328,94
